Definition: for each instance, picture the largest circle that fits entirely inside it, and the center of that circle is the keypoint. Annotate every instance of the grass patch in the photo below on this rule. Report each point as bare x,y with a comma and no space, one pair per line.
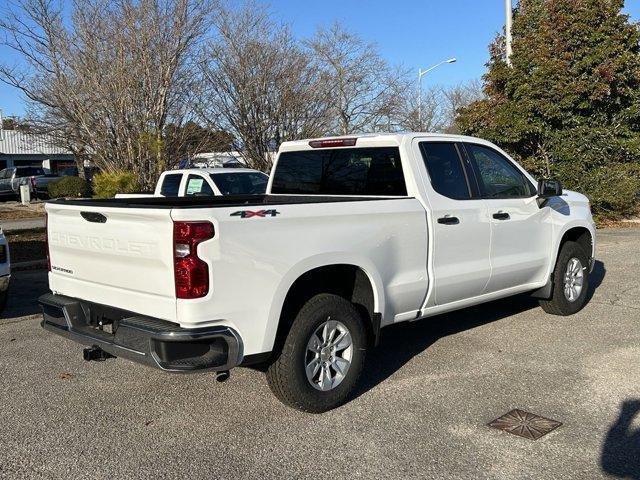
16,211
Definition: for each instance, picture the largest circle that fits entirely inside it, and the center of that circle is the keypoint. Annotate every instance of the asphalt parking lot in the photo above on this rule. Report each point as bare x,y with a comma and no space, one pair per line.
429,391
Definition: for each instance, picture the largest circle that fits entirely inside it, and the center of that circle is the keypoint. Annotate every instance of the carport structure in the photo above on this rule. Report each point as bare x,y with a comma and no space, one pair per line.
20,148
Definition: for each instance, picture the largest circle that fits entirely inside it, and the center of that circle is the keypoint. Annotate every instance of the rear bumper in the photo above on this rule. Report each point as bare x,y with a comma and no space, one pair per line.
146,340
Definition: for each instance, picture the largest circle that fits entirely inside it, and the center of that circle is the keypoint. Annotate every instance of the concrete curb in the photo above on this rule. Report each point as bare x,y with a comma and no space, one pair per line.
12,226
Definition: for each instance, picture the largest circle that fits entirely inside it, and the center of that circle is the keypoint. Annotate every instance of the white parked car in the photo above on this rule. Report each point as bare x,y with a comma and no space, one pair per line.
353,234
206,182
5,270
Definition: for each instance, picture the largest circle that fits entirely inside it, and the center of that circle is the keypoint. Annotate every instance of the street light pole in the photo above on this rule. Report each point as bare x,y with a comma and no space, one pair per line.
422,73
507,28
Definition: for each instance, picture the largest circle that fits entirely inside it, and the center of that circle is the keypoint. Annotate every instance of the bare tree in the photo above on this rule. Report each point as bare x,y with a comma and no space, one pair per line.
108,79
432,118
363,87
457,97
259,85
440,105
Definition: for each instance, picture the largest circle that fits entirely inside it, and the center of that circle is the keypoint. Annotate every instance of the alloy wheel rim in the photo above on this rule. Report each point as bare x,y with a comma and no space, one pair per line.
328,355
573,279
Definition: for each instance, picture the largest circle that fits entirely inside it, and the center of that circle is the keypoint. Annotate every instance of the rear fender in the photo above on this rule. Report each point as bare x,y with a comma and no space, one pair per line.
324,260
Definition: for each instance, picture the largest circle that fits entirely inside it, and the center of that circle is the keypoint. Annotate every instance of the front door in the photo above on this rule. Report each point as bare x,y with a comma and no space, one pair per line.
460,224
520,230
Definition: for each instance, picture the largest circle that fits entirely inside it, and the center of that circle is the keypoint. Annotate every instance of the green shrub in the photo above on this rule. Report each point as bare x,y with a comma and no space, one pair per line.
72,187
555,110
612,189
106,185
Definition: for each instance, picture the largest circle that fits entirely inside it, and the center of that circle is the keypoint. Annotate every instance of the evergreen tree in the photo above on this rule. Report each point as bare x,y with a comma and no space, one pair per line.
569,105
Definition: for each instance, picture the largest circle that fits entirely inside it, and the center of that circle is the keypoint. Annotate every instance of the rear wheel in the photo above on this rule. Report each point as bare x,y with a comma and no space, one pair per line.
570,281
322,357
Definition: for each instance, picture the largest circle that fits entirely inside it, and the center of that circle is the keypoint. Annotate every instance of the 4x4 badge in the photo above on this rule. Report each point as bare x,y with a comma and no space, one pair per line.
254,213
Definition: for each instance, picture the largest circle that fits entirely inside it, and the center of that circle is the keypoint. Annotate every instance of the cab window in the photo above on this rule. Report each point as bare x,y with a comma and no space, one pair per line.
197,186
497,176
171,185
445,169
249,183
375,171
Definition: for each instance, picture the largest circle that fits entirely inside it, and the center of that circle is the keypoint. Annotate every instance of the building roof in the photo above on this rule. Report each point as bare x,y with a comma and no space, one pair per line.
15,142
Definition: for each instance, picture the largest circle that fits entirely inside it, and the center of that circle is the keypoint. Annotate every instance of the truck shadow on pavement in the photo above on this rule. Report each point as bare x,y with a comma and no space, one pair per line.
595,278
24,290
620,455
400,343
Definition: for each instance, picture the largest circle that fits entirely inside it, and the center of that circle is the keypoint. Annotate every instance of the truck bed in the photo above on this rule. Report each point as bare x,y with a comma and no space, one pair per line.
212,202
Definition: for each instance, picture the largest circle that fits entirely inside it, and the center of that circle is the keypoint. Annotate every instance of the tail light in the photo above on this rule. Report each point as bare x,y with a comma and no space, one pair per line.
191,272
33,183
46,239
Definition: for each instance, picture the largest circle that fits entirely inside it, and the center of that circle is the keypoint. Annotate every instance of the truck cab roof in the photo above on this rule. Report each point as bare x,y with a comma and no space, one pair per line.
377,140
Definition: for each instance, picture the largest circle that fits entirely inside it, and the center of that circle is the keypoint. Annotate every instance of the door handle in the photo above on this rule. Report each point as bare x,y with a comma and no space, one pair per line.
447,220
501,215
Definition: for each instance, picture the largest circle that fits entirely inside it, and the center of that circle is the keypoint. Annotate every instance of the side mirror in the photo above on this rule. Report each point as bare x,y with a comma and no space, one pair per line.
547,188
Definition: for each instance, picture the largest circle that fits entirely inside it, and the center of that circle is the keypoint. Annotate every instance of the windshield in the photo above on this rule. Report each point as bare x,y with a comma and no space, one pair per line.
29,171
249,183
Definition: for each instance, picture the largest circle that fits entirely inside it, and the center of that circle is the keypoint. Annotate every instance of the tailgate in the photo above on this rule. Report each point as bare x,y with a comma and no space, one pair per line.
122,257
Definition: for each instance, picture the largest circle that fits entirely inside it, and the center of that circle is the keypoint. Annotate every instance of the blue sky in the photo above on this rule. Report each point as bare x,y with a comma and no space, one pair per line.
414,33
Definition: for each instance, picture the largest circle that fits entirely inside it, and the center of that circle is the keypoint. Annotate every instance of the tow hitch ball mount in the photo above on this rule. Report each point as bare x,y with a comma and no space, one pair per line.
95,354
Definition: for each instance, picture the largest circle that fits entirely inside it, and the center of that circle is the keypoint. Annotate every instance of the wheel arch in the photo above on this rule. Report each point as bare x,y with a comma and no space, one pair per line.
357,281
581,234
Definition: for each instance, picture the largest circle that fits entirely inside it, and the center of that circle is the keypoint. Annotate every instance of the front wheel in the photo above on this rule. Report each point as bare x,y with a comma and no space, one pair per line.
570,281
322,357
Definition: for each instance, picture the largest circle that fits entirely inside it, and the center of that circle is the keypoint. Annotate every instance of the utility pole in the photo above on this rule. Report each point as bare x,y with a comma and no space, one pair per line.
507,27
1,126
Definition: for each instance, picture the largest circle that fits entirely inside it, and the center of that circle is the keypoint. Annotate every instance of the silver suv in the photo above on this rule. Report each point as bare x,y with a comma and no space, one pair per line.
11,178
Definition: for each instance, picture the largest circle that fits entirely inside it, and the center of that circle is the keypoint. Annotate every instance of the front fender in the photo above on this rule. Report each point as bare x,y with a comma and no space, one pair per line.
578,223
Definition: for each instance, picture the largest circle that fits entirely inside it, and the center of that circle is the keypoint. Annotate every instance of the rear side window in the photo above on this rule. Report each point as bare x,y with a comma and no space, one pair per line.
198,186
171,185
351,171
445,169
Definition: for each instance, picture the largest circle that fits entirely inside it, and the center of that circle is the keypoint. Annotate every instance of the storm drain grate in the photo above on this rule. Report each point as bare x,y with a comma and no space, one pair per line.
525,424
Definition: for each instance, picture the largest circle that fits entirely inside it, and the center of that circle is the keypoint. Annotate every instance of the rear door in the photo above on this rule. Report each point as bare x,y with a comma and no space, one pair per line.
461,229
521,233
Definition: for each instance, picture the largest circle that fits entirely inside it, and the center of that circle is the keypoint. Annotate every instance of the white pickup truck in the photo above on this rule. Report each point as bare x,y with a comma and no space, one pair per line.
353,234
206,182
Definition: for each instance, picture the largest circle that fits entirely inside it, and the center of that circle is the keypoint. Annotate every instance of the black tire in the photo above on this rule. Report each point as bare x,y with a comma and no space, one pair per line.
287,377
558,304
